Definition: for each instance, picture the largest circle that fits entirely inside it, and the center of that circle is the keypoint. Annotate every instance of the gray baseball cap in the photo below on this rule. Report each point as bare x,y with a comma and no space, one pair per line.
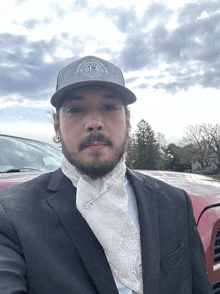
91,71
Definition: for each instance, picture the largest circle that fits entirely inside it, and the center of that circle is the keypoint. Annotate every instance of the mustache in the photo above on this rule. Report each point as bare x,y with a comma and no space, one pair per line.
94,138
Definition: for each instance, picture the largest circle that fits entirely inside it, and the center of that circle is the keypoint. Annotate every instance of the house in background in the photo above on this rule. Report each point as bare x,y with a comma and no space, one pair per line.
209,165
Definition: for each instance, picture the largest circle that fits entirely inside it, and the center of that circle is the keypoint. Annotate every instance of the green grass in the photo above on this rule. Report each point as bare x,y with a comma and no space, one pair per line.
215,176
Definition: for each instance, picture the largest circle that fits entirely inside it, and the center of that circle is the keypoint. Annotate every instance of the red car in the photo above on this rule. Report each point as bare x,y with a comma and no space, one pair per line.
205,195
23,159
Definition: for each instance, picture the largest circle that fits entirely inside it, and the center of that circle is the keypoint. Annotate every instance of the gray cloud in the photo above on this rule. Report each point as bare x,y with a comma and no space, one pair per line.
191,11
26,114
60,12
81,3
136,54
124,20
130,80
158,12
19,2
127,22
32,23
24,71
191,50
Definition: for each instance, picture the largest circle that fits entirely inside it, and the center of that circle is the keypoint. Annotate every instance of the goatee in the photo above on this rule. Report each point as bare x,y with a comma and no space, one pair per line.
103,168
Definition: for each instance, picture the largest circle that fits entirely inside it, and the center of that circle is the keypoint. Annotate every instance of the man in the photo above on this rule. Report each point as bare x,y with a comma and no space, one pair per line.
94,226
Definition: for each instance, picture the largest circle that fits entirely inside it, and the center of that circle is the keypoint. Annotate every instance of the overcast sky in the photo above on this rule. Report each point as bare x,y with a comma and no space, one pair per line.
169,52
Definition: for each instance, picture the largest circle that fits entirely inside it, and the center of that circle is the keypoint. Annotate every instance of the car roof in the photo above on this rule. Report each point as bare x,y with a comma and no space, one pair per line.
204,191
28,139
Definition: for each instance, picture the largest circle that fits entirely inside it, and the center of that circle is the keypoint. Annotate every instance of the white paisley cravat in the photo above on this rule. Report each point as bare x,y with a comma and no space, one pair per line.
104,205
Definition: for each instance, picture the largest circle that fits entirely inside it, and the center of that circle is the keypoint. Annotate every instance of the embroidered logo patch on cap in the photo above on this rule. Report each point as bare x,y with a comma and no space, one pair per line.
92,68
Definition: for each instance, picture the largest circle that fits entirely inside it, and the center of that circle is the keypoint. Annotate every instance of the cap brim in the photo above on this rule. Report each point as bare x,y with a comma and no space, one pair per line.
128,96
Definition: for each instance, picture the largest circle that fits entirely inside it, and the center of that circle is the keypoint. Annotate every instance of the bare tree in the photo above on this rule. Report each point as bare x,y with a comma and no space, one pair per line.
212,138
161,139
205,140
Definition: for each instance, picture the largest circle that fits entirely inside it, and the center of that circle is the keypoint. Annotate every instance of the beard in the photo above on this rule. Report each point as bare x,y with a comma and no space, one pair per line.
99,168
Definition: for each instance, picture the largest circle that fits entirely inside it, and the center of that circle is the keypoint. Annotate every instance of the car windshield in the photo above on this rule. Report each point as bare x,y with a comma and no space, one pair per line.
18,154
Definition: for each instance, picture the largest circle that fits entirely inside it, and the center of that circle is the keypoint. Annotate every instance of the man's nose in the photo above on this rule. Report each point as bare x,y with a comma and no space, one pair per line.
94,124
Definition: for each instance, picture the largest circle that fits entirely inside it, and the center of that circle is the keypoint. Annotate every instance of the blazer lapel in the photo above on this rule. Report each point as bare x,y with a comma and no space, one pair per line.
149,231
63,202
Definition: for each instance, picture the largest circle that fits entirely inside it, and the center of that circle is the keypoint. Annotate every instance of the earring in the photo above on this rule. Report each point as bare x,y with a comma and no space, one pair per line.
57,138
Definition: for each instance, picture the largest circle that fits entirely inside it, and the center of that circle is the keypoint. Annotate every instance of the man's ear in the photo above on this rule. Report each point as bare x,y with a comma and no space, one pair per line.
128,123
56,123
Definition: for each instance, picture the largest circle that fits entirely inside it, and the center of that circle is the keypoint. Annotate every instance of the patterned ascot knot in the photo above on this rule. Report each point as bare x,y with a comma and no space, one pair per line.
104,205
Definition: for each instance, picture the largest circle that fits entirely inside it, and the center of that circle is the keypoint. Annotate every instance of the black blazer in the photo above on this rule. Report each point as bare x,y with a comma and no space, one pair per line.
46,246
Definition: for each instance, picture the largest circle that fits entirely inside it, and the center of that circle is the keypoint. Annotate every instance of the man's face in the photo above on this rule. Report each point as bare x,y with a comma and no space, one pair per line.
94,130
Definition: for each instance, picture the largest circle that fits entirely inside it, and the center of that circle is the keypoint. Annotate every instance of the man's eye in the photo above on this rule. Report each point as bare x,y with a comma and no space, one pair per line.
110,107
75,110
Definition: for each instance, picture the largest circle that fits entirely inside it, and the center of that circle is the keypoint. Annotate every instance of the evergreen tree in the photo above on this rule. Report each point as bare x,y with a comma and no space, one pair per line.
143,152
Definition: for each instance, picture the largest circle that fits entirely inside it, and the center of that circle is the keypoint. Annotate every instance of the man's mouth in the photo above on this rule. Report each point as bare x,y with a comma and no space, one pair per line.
97,146
95,142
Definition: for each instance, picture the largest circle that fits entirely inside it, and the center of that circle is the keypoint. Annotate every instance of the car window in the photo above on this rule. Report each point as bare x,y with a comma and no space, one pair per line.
28,155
